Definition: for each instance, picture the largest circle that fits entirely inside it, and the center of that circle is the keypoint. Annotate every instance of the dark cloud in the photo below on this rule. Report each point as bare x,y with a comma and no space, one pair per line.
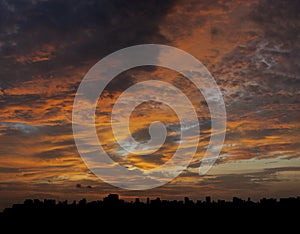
80,30
279,19
47,46
55,153
9,170
239,182
250,181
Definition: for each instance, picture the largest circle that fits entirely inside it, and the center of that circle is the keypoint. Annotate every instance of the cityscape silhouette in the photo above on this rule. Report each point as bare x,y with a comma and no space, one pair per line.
113,203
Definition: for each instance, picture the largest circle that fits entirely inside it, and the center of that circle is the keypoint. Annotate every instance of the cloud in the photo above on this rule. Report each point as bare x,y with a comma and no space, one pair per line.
26,128
278,19
91,29
249,181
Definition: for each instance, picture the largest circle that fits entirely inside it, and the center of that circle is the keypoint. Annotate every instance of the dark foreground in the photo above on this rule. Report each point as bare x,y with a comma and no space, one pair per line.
153,212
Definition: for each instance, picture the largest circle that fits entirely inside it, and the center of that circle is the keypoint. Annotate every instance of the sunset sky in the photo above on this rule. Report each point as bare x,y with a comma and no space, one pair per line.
252,49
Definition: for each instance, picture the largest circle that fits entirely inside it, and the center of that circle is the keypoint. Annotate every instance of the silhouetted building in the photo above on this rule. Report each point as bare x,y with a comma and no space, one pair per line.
268,201
221,202
111,198
186,200
49,202
156,202
82,202
28,202
237,201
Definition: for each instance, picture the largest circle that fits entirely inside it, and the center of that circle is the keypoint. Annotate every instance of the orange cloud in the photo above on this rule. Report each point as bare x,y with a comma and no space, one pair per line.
44,53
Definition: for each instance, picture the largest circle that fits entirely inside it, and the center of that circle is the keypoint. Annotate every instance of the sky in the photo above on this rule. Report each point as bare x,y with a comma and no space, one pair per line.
250,47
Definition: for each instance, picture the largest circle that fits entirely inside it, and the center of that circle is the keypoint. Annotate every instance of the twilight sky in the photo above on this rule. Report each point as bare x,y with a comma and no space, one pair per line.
251,48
